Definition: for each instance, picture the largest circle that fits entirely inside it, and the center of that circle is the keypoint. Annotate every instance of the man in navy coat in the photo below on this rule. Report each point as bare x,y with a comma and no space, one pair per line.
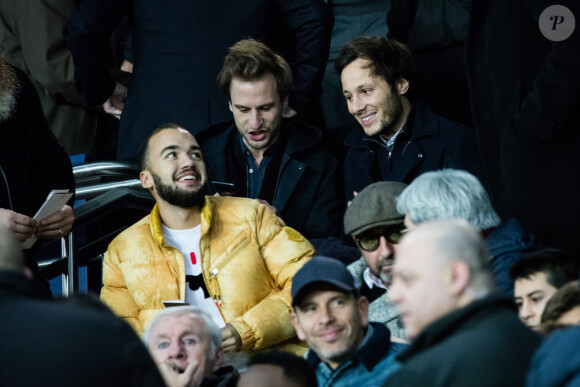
398,138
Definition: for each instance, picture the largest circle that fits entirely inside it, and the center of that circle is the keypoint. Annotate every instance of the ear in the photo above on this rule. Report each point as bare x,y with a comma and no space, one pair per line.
146,179
402,86
231,106
218,359
296,324
458,276
285,102
363,309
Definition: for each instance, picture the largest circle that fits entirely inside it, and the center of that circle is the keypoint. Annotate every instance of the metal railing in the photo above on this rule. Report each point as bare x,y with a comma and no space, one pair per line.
112,188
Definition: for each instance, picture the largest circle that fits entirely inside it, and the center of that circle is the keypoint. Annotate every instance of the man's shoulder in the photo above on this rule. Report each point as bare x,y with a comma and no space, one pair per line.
427,122
303,140
215,133
134,234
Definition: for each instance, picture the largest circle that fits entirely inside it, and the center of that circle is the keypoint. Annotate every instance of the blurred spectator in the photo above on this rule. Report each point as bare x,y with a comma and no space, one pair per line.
537,277
33,37
523,70
266,156
562,309
178,49
49,343
187,347
331,315
435,31
454,194
463,334
376,226
398,138
32,163
556,363
281,369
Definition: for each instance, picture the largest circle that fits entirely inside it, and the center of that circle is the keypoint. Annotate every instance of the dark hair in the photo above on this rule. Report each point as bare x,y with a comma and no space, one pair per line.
559,266
389,59
250,60
295,367
564,300
144,149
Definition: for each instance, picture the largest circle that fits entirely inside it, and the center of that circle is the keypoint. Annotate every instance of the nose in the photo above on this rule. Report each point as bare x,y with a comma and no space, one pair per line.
356,104
385,247
394,294
326,316
526,312
176,350
255,119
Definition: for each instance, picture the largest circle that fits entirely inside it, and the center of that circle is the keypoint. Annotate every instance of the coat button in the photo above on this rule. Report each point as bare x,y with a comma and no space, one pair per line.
420,155
300,166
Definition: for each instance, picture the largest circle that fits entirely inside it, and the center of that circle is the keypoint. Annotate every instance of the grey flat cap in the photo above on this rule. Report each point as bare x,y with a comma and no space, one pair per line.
374,206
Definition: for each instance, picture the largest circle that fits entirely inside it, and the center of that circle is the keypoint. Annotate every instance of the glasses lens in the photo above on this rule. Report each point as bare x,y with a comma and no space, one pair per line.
371,241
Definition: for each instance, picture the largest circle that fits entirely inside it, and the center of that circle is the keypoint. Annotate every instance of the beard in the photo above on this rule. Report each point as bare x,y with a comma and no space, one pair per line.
178,197
391,113
8,89
385,276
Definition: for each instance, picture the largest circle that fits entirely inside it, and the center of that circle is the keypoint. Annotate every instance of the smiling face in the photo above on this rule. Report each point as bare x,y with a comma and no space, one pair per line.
257,110
531,295
332,323
179,340
175,172
378,107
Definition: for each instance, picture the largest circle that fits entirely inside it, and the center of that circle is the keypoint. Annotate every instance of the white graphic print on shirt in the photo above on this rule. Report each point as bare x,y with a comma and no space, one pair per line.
196,293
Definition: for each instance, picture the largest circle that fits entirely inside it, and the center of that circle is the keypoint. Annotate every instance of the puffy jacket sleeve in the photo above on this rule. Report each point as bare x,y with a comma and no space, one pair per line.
115,293
284,251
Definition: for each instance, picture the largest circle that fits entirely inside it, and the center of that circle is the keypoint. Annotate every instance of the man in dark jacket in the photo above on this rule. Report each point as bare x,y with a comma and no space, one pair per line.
463,335
397,140
266,156
332,316
178,48
49,343
523,65
32,163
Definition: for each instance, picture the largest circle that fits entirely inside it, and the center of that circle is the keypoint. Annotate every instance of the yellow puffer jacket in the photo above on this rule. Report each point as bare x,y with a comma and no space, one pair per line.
248,257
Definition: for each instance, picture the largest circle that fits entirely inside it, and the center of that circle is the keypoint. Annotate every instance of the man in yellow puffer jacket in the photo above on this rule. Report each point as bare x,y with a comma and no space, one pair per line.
232,257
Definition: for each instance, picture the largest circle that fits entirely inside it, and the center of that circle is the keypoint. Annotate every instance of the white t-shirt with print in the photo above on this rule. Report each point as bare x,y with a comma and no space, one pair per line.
196,293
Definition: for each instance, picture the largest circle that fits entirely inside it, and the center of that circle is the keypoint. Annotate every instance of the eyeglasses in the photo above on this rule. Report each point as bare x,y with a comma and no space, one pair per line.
371,240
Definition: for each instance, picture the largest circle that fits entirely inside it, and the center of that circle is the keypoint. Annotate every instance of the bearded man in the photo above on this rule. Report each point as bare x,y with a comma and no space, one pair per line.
231,257
376,227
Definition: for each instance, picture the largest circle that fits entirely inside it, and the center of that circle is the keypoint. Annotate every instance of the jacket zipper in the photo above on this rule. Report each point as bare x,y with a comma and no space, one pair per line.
213,282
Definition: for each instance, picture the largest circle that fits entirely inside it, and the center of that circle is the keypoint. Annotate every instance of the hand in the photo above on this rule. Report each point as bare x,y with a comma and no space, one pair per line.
188,378
231,340
288,112
116,102
355,194
264,202
56,225
23,226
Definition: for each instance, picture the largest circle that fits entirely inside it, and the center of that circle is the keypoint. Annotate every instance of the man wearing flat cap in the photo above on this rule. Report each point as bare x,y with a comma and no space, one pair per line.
332,316
376,226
